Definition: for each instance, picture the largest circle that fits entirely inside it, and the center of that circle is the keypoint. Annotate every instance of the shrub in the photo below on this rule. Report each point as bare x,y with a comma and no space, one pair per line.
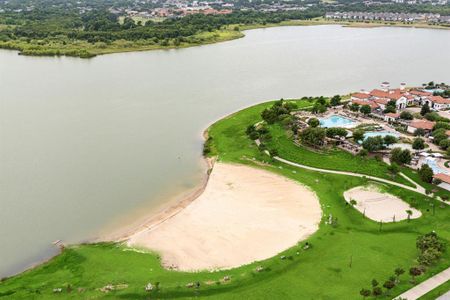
406,115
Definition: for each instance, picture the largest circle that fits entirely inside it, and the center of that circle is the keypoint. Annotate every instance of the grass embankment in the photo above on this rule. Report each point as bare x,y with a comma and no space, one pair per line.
62,46
333,159
342,259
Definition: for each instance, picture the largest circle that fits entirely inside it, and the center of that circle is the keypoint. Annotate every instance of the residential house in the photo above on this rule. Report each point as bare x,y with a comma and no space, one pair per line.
391,117
443,179
426,125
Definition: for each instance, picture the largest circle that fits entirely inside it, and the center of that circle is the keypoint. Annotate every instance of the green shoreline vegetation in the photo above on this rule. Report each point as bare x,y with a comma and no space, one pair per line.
340,260
103,33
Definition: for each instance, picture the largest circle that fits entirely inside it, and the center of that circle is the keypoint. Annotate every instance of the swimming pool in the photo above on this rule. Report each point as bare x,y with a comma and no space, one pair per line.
380,133
431,162
337,121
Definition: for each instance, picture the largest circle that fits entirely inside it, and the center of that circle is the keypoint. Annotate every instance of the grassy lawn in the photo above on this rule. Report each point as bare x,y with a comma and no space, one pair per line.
342,259
415,176
439,291
334,159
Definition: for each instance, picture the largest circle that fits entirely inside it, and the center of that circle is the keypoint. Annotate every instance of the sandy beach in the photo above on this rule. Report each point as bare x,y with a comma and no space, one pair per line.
379,206
243,215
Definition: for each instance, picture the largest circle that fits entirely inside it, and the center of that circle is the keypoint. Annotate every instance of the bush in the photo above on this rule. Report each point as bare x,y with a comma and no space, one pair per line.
406,115
313,122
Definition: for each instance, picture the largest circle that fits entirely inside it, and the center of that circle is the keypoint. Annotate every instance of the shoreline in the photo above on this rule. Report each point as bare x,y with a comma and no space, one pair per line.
165,211
233,36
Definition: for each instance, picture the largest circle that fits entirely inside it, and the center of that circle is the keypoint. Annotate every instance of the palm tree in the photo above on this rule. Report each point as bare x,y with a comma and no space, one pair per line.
409,213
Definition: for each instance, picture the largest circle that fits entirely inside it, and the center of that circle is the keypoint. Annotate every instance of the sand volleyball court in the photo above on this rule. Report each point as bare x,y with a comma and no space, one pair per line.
380,206
243,215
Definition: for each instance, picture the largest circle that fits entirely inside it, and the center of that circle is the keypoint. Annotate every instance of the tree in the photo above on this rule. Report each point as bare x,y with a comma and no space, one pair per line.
394,168
374,283
319,108
269,115
377,291
365,109
335,100
389,140
418,144
414,271
444,144
398,272
426,173
358,135
419,132
365,293
389,284
336,131
400,156
406,115
425,109
372,144
354,107
409,213
313,122
313,136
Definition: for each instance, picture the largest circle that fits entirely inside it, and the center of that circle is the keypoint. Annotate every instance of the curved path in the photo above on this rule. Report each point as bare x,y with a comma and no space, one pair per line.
418,188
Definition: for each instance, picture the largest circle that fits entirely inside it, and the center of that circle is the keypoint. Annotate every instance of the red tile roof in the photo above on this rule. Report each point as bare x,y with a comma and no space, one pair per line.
393,115
372,104
361,95
420,93
423,124
382,100
442,177
379,93
439,100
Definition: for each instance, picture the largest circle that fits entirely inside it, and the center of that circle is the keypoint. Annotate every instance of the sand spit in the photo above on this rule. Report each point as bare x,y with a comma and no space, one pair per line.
380,206
243,215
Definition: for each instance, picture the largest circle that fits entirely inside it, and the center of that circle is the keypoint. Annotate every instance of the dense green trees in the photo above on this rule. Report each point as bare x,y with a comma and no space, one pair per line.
418,144
314,137
401,156
426,173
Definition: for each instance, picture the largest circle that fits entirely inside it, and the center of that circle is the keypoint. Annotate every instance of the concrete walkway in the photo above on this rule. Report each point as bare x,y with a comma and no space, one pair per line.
417,189
426,286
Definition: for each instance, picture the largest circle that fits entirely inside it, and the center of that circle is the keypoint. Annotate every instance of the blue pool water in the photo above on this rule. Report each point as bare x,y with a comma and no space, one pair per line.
433,165
336,121
380,133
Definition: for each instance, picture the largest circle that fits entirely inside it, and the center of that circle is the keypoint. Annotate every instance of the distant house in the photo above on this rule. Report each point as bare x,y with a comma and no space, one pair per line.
426,125
391,117
360,96
444,180
361,102
438,102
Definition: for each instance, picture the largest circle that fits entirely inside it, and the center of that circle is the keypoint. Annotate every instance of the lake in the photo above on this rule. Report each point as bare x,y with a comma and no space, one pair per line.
89,145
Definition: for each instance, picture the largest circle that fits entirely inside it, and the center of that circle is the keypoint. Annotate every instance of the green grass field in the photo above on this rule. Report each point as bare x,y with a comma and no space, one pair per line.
342,260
